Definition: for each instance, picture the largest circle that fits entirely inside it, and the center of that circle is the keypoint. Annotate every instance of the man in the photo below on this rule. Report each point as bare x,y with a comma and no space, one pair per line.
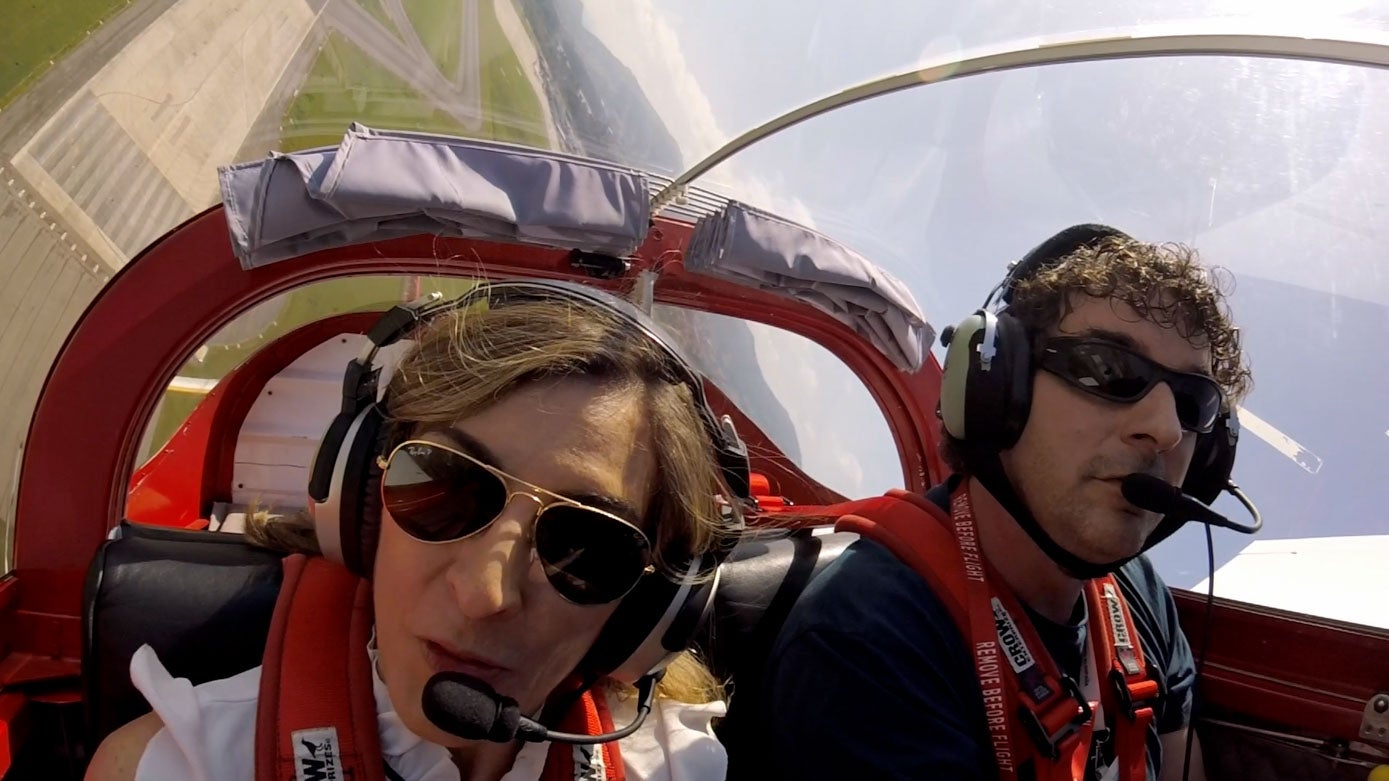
1108,357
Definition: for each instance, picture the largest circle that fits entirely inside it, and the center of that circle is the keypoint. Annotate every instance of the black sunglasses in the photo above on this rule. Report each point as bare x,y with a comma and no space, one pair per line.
437,494
1116,373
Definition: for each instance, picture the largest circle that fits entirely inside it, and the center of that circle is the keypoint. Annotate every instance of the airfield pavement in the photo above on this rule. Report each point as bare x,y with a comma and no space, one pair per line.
119,142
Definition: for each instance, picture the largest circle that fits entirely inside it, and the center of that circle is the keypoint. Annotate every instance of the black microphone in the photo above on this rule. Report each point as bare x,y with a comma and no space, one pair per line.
467,707
1154,494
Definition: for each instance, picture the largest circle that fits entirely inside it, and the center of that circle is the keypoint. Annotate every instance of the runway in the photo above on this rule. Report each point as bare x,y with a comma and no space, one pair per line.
119,142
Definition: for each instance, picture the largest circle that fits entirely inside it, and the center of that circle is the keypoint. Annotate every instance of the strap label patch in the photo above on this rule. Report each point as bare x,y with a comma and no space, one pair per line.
1013,646
317,756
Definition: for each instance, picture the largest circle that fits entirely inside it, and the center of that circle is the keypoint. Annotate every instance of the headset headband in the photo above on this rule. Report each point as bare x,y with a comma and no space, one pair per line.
986,399
657,618
1049,253
731,452
360,385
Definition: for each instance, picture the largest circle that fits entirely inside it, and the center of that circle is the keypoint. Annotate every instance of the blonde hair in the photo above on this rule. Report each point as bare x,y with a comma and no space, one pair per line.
465,360
686,679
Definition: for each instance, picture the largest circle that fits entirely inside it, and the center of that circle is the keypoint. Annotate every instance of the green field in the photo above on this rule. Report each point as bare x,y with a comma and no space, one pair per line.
510,104
377,10
35,33
438,23
345,86
315,302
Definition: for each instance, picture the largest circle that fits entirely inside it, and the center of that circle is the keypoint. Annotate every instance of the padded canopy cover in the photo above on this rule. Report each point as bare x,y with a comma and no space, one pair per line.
763,251
381,184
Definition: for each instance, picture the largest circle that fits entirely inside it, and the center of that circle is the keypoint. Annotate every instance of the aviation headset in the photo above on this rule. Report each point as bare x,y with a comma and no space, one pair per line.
986,385
658,617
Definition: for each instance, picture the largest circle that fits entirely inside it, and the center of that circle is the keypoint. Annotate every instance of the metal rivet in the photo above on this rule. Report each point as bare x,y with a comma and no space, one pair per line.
1381,704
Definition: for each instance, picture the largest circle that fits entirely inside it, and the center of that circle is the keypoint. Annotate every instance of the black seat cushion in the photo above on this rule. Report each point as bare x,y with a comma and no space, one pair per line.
763,578
202,600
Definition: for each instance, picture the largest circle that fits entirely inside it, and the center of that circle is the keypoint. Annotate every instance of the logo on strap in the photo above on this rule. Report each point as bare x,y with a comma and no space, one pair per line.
1030,677
1123,641
317,756
1013,645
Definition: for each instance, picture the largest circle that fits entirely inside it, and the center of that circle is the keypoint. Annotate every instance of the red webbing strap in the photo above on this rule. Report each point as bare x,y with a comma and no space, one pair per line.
589,715
1039,702
602,720
316,717
1128,691
914,530
920,534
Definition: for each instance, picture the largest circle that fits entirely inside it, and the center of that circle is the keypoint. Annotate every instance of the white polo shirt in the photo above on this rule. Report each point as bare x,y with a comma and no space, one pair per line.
209,734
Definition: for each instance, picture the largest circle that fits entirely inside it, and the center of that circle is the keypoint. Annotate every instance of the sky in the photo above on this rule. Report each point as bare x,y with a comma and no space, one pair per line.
1271,168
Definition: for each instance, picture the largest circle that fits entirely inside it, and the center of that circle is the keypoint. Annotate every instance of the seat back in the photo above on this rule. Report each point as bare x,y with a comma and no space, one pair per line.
761,580
202,600
760,583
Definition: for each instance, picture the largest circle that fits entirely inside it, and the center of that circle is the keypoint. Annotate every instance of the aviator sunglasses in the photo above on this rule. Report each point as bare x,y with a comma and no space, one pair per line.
437,494
1116,373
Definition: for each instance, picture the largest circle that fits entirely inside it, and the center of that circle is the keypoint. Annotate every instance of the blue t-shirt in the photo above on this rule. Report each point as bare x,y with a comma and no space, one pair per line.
870,678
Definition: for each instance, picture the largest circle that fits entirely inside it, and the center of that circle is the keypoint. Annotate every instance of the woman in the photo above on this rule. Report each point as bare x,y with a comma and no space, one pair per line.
541,457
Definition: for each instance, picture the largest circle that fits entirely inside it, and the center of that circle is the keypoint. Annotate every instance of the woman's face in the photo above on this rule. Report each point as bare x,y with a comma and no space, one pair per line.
482,605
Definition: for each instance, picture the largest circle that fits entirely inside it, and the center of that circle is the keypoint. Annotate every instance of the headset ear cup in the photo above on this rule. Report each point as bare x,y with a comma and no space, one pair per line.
987,407
1211,465
630,626
960,365
653,623
371,516
325,460
1001,411
1213,460
358,478
660,617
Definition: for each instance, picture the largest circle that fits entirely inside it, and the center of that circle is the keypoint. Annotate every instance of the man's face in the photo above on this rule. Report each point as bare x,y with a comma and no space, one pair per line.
1076,448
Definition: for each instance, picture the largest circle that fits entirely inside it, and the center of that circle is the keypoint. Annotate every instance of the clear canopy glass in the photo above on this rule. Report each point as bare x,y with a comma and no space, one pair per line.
1275,169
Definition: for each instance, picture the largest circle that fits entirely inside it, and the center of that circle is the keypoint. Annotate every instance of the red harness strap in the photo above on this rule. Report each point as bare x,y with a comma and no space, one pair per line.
316,716
1024,691
601,762
1132,689
895,521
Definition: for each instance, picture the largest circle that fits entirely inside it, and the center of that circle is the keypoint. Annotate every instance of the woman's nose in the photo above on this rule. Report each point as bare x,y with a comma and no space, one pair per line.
490,569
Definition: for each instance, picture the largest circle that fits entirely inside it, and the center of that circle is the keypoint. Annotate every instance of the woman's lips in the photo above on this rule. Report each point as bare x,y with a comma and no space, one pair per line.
445,659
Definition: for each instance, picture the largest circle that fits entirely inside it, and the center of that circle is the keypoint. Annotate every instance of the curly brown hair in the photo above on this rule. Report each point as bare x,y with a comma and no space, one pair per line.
1165,283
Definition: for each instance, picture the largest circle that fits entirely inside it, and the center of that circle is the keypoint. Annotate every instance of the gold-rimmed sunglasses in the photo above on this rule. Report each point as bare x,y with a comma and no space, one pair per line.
437,494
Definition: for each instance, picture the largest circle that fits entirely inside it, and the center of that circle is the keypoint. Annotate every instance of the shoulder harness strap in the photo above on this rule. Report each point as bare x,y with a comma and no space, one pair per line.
918,533
1131,689
316,716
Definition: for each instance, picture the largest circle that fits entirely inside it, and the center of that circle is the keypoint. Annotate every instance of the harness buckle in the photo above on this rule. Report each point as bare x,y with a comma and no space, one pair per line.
1145,693
1049,742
